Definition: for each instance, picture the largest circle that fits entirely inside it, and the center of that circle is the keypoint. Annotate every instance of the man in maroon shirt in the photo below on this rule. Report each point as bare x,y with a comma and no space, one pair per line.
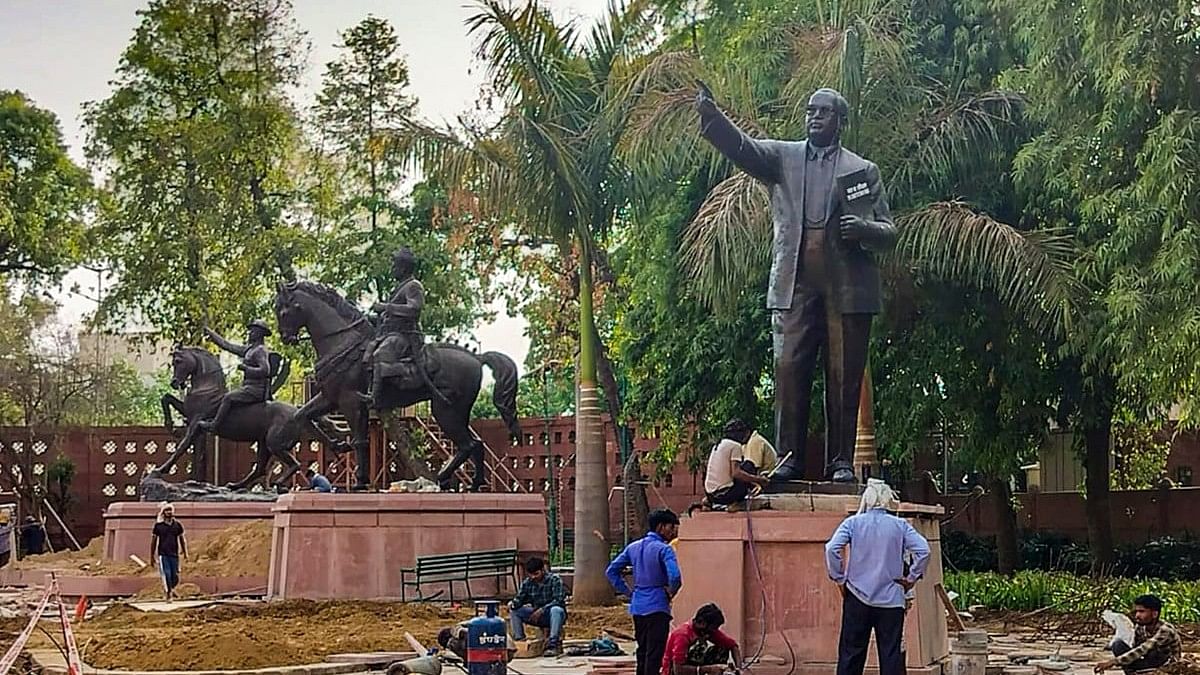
698,647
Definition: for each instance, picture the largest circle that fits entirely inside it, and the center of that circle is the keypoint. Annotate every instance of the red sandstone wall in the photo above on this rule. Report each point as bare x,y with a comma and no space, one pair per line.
1137,515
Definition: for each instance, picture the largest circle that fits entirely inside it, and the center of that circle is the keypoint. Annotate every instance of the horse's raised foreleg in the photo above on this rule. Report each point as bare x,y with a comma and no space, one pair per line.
193,434
313,413
168,402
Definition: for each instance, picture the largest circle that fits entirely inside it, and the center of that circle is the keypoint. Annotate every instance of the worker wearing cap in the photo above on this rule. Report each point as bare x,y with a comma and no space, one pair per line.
255,367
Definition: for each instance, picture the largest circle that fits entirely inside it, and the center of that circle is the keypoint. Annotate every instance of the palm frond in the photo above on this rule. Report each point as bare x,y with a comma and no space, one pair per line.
957,138
527,54
728,241
663,127
1030,272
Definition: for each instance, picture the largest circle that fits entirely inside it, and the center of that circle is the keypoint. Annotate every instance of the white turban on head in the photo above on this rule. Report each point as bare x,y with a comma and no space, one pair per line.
162,506
878,495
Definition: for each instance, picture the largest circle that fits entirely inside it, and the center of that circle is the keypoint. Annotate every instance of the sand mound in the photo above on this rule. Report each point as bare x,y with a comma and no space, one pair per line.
90,556
238,550
294,632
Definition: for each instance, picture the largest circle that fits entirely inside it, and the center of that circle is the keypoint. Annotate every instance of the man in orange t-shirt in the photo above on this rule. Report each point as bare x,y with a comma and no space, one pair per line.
698,647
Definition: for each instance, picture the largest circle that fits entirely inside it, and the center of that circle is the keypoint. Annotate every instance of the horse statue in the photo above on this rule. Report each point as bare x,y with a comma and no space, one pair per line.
273,425
450,382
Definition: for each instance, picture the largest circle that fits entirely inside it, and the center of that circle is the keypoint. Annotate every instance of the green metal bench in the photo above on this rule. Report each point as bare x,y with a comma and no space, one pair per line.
448,568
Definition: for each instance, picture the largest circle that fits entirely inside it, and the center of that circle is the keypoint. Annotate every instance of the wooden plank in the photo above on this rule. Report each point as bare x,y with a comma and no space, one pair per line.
949,605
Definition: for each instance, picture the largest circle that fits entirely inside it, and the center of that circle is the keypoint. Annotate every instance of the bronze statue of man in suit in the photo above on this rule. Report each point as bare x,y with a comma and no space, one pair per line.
830,215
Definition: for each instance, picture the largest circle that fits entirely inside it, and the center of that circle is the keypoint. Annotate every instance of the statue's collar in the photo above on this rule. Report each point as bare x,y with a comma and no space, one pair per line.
813,152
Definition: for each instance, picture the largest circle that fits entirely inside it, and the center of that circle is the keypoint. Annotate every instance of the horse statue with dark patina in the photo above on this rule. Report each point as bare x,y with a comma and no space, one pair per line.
449,378
273,425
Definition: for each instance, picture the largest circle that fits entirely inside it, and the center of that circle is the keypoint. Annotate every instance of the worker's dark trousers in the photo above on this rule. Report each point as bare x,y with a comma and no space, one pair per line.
651,632
858,619
1145,663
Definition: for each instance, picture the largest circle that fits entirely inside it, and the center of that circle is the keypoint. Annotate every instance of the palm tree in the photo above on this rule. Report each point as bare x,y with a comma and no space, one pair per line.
923,133
547,169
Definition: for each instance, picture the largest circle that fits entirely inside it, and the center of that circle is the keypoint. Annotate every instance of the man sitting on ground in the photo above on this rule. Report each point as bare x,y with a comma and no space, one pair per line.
1155,644
730,476
541,601
698,647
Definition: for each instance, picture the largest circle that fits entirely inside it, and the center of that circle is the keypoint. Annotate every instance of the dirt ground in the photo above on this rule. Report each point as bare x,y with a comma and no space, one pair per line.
238,550
259,634
279,633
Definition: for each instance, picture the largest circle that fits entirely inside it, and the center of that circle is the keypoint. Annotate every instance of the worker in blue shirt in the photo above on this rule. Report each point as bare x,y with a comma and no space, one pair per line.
656,580
874,582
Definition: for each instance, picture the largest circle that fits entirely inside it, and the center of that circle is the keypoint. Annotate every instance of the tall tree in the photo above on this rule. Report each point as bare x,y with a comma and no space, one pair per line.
196,139
44,197
363,102
548,170
1112,86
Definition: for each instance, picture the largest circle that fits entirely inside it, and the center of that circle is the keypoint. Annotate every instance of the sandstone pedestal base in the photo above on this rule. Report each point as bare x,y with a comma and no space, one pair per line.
353,546
718,563
127,525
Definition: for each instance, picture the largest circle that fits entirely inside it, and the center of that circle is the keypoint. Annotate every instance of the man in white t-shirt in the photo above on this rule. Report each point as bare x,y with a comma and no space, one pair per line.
730,476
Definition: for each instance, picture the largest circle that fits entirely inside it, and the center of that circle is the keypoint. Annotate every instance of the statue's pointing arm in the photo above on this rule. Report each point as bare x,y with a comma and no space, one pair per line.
231,347
756,157
883,233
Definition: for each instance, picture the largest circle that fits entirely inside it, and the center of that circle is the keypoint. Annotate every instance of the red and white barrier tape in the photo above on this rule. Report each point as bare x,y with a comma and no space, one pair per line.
10,657
74,663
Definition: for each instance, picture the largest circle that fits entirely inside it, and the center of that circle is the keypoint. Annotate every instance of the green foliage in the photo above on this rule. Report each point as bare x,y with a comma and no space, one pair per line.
1166,558
535,398
197,139
44,196
59,476
1069,594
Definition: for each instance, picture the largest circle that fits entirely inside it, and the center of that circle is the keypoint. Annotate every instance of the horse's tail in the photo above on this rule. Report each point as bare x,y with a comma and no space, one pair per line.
504,393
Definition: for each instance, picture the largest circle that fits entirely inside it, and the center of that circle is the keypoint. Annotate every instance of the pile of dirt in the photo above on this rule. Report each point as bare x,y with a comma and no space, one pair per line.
294,632
237,550
242,550
70,559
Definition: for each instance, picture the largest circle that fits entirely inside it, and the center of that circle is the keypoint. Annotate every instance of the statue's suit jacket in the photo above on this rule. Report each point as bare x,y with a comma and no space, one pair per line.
781,165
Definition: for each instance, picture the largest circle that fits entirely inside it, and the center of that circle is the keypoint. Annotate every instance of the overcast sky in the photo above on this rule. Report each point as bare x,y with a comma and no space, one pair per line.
63,53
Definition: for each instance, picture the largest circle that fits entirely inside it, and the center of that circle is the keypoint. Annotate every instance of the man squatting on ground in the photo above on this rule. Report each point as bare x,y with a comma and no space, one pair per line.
699,647
1155,642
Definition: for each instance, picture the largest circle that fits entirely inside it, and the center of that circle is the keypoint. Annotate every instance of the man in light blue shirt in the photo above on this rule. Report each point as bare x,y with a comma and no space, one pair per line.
873,582
656,580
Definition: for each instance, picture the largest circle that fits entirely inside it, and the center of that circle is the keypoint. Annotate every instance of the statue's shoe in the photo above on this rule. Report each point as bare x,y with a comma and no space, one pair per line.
207,425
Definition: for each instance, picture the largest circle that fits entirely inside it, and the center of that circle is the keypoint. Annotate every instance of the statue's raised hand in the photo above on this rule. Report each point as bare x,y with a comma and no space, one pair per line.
704,96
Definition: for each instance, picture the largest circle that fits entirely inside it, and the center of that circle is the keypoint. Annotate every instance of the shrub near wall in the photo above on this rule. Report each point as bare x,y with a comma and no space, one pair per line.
1067,593
1169,558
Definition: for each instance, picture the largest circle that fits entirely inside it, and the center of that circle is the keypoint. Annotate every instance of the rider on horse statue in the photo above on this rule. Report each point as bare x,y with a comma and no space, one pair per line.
395,351
256,366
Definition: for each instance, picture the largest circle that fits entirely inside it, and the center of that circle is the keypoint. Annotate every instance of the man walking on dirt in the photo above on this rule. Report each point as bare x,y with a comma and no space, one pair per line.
166,545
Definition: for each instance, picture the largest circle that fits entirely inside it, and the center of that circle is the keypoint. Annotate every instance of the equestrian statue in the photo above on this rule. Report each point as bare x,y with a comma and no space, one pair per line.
386,365
247,414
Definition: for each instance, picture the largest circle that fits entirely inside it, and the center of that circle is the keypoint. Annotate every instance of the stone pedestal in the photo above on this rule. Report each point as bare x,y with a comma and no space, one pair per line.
354,545
719,565
127,525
